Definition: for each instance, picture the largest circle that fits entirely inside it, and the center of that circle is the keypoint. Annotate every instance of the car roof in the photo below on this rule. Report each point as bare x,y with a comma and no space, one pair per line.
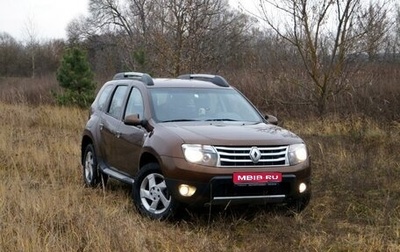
183,83
187,80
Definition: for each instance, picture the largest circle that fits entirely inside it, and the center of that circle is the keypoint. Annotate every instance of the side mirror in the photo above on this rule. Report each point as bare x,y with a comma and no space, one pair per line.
134,120
271,119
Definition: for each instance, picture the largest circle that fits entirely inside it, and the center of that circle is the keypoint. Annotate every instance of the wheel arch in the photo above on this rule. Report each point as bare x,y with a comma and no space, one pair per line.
86,140
148,157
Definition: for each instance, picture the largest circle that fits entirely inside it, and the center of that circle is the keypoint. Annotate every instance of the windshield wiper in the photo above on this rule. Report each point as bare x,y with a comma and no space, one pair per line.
180,120
220,120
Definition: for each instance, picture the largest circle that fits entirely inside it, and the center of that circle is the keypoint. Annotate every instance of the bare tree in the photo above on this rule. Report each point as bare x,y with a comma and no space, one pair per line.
10,52
325,34
167,36
188,32
129,20
396,34
81,29
32,43
375,22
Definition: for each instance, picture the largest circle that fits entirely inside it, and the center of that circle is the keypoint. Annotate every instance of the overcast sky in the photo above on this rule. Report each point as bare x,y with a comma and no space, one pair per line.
48,19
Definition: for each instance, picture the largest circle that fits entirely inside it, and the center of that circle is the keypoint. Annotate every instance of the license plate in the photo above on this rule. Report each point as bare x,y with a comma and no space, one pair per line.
256,177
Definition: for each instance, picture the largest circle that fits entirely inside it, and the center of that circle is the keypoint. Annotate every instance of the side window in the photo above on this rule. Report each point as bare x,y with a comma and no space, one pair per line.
135,103
102,101
116,106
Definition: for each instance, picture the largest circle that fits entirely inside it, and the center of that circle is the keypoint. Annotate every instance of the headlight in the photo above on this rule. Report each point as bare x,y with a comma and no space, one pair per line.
200,154
297,153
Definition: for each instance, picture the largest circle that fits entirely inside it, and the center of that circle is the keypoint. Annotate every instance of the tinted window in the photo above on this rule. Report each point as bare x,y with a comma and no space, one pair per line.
103,97
135,103
116,106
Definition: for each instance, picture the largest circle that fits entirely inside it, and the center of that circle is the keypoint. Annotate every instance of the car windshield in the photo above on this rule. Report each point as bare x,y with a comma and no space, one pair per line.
201,104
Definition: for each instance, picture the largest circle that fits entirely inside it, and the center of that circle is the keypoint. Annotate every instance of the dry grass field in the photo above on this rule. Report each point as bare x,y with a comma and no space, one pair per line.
45,207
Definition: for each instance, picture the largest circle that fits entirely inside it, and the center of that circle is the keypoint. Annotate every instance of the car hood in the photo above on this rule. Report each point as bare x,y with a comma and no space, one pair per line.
231,133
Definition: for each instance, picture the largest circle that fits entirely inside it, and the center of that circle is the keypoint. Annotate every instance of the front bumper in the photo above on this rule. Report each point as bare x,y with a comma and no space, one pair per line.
214,185
221,190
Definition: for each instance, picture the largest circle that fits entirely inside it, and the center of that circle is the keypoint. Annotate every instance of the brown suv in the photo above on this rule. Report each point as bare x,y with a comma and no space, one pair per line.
193,140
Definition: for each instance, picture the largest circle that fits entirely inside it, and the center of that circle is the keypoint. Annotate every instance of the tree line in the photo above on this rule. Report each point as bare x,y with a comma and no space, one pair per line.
317,52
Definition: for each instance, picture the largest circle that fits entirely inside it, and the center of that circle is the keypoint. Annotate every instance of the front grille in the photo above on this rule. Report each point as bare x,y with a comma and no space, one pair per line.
221,187
241,156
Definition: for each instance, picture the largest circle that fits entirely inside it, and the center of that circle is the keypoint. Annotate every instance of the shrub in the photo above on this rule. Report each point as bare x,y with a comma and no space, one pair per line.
76,78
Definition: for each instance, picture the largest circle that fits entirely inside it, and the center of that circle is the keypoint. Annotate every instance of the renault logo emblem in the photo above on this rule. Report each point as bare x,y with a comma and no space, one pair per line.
255,154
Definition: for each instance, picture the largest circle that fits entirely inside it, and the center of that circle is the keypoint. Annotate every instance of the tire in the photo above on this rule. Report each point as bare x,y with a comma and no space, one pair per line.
91,174
150,194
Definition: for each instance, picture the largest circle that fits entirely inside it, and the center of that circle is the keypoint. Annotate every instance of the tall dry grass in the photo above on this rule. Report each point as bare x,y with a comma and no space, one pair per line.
45,207
34,91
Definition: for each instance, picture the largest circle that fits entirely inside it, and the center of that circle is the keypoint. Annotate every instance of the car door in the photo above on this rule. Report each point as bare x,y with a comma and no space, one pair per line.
102,107
110,123
131,138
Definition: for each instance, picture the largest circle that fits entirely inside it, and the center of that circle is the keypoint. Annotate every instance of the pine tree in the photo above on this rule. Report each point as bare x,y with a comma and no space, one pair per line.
76,78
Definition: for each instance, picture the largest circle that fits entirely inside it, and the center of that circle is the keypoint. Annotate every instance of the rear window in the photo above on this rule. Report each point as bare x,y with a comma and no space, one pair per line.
103,98
116,106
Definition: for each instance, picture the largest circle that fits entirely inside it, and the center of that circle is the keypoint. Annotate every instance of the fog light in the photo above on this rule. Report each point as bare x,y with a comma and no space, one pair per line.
186,190
302,187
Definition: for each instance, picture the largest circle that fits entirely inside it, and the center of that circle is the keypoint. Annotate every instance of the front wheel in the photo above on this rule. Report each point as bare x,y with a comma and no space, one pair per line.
91,175
151,195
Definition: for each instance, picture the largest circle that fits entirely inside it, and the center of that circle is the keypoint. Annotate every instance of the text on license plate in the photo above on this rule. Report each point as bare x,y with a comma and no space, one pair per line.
256,177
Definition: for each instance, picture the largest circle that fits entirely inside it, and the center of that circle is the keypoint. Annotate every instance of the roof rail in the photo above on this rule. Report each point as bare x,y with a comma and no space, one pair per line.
216,79
143,77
